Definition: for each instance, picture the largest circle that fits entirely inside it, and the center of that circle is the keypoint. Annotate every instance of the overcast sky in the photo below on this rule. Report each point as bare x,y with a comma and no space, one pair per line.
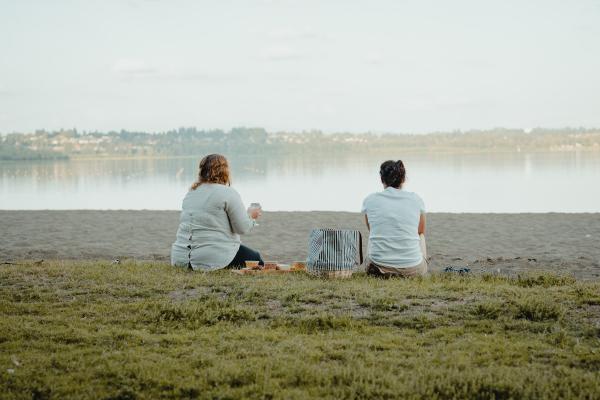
399,66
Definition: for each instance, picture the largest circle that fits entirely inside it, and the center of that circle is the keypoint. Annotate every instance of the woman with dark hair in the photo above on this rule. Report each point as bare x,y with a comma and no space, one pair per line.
212,219
396,222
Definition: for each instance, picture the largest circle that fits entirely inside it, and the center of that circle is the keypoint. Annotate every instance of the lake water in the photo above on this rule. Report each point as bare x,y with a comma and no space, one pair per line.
519,182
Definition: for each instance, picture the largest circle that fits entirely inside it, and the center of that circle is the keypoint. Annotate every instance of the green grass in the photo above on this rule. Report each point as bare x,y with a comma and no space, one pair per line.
100,331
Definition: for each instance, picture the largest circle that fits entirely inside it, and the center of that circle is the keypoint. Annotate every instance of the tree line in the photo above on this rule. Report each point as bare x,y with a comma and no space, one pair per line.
62,144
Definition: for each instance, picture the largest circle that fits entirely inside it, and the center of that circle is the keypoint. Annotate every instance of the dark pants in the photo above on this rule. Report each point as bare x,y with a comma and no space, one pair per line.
245,254
388,272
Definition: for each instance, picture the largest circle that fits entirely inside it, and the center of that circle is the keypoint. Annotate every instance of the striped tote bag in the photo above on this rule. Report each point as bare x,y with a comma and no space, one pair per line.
334,253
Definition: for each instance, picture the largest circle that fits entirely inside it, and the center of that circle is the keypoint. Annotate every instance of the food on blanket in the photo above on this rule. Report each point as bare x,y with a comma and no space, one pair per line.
252,265
270,265
283,267
298,266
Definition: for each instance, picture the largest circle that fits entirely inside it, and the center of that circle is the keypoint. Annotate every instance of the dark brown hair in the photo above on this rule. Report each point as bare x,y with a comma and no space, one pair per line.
393,173
213,169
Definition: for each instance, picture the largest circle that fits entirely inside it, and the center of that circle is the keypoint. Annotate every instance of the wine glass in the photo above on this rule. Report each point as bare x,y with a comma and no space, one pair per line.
253,207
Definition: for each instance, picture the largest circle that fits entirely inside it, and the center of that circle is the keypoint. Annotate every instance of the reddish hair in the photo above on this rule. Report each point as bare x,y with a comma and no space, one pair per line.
213,168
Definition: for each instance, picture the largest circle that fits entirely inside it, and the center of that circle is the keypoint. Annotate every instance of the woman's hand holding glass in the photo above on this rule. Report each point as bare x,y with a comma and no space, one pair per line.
255,211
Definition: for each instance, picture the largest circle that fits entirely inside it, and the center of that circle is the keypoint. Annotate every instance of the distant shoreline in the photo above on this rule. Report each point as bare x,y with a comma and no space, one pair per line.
257,141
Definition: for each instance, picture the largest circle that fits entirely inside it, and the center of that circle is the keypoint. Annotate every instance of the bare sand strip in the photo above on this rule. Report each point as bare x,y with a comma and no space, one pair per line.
508,243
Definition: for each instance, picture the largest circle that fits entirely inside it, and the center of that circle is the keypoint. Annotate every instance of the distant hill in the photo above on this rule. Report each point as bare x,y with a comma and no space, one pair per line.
191,141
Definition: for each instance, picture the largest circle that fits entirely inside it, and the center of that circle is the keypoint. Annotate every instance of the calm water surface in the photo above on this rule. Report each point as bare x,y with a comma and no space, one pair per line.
538,182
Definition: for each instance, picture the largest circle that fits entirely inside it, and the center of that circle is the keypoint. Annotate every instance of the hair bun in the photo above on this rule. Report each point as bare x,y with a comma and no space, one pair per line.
393,173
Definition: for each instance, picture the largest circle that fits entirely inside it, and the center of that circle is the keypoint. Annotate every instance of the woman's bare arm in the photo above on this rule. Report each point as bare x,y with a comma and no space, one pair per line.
422,224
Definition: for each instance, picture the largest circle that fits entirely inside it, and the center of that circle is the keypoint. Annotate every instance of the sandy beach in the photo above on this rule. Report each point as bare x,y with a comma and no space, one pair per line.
505,243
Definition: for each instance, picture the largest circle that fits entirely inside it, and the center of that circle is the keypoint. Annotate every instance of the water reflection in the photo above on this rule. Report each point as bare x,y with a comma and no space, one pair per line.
515,182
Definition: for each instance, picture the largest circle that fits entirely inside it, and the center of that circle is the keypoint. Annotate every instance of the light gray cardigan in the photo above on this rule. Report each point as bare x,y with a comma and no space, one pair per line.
212,219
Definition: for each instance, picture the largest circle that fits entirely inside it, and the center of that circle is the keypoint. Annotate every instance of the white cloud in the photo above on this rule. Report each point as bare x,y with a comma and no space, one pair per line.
278,2
280,53
322,109
285,41
3,90
374,58
133,68
288,33
192,74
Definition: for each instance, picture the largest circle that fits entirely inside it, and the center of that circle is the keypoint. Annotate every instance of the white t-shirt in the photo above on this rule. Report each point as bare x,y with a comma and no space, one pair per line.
394,216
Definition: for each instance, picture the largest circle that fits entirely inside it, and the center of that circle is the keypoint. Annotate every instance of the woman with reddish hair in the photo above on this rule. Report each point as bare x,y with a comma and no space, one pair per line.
212,219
